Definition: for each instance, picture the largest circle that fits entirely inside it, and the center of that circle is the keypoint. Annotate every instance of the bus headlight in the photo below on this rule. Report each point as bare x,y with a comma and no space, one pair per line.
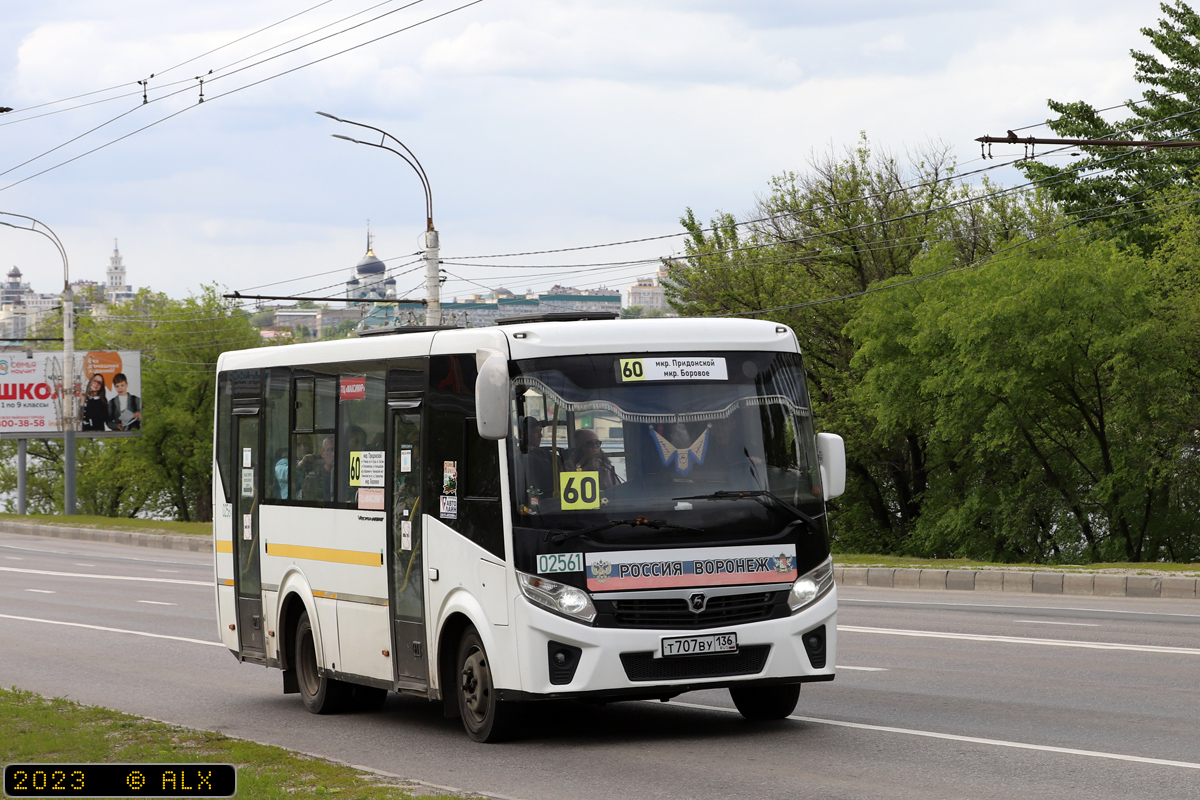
558,597
811,585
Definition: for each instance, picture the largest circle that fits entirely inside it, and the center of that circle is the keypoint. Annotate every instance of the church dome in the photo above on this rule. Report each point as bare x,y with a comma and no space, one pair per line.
14,273
370,265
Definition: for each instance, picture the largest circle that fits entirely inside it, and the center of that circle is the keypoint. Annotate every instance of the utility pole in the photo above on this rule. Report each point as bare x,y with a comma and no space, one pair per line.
433,269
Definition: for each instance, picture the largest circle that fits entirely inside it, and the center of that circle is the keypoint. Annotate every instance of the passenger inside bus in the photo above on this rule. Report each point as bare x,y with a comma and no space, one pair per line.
318,472
588,456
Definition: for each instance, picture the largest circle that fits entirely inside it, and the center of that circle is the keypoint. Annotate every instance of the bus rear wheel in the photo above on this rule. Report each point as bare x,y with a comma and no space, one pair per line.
760,703
322,695
486,718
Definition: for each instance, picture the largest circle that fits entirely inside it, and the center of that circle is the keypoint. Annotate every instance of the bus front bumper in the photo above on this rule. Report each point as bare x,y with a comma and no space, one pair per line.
625,663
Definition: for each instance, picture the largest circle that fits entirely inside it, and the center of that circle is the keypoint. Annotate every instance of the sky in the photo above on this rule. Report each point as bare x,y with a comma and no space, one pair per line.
541,124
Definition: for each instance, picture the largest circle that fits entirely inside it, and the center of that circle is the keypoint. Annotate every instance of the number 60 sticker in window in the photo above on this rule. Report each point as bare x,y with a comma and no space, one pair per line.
579,490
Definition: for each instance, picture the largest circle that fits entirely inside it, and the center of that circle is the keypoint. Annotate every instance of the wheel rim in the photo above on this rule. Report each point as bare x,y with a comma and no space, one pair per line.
476,686
310,681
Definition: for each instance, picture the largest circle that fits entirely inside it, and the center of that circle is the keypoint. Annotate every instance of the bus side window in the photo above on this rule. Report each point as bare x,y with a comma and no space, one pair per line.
455,445
278,425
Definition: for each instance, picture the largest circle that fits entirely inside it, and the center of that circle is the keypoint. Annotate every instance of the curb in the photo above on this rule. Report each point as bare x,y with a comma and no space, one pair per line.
1073,583
194,544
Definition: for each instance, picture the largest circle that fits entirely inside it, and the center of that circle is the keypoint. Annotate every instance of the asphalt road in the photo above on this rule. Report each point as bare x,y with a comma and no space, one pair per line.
939,695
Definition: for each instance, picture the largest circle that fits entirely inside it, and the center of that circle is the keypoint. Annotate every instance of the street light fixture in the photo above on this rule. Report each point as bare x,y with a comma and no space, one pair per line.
70,399
433,308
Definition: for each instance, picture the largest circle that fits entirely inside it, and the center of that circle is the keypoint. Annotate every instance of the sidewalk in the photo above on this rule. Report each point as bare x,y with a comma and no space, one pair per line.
1097,584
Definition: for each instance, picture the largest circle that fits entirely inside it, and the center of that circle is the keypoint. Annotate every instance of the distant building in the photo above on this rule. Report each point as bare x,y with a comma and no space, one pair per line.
648,293
116,290
481,310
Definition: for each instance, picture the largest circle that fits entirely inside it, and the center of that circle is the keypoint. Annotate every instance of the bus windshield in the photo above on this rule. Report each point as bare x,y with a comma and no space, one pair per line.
678,441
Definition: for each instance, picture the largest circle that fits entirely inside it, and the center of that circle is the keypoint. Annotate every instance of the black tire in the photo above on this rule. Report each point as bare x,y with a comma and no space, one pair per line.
486,718
761,703
321,695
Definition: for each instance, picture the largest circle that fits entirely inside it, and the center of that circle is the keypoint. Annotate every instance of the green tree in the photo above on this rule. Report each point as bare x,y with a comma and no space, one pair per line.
1115,186
1055,392
852,220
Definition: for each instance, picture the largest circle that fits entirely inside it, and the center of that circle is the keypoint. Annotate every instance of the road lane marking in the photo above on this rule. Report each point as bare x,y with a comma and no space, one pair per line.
104,577
84,565
1048,622
1017,608
14,558
41,591
167,570
863,669
978,637
1070,751
112,630
156,603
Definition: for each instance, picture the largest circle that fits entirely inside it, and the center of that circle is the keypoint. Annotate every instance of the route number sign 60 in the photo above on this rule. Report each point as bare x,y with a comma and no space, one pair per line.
579,490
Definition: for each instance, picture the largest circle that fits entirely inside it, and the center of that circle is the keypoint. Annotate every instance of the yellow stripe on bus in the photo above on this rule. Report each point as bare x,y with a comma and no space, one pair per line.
224,546
325,554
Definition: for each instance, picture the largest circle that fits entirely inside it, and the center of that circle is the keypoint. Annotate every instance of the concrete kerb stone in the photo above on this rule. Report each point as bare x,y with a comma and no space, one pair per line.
1018,582
1109,585
1077,583
989,581
1183,588
854,576
1143,586
906,579
960,580
1048,583
195,544
880,576
935,579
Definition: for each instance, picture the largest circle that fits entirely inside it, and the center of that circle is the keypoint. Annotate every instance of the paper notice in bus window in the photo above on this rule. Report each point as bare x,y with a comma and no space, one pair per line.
247,482
371,499
247,457
671,368
406,535
450,477
406,460
449,509
247,526
367,467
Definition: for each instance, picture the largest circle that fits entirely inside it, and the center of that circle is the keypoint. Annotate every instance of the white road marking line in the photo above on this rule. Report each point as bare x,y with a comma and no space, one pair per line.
972,739
976,637
156,603
863,669
166,570
14,558
41,591
1048,622
105,577
111,630
1017,608
84,565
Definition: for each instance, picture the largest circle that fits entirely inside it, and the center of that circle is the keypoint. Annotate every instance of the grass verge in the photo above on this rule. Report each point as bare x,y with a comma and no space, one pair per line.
159,526
35,729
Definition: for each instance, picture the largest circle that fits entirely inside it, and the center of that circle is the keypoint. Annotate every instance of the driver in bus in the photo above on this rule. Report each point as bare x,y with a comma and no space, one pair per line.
539,461
588,456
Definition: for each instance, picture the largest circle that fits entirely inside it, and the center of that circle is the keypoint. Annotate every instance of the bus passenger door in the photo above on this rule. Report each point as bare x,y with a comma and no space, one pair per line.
248,454
408,594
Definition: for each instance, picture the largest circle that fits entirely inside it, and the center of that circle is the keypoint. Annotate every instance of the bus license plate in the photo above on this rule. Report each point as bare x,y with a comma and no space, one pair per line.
699,645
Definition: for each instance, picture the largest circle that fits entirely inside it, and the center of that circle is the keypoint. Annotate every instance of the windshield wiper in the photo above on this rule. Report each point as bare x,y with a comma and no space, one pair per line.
760,495
558,537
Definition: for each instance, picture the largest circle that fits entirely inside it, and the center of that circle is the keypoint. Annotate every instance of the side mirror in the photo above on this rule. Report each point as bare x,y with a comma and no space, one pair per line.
491,396
831,451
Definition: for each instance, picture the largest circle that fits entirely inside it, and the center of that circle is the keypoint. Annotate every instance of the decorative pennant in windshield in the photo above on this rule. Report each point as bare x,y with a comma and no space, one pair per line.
682,456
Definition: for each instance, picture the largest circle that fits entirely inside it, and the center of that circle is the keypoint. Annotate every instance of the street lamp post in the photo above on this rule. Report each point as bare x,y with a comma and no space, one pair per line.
433,307
68,391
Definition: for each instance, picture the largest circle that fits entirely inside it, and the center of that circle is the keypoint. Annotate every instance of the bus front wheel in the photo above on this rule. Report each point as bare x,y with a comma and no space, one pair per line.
322,695
759,703
486,718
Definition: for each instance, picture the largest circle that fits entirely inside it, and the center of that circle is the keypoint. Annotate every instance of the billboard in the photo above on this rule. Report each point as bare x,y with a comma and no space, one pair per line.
109,393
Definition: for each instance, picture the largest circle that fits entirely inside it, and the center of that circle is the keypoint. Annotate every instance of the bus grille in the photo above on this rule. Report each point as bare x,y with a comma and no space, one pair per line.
749,660
674,614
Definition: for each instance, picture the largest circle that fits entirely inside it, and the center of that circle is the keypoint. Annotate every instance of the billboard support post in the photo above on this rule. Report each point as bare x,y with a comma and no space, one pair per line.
22,505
